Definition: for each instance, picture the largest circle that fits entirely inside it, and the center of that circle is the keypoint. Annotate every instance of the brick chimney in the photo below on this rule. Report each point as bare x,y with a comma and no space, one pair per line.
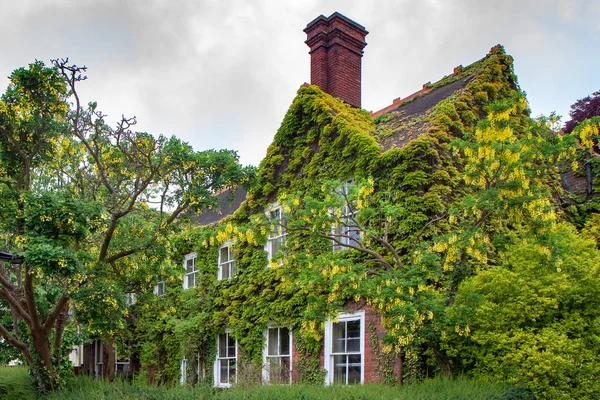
336,47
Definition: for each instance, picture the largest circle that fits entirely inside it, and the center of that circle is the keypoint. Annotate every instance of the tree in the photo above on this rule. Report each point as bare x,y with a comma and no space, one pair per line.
583,109
75,197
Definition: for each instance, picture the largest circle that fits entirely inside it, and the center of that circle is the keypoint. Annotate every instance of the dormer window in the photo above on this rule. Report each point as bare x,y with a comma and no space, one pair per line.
191,271
226,261
278,234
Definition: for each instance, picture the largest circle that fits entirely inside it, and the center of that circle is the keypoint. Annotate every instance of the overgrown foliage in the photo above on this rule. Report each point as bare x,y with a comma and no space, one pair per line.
423,226
534,319
460,241
75,197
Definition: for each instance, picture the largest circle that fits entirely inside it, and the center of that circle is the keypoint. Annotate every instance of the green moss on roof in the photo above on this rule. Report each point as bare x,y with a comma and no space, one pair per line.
320,136
468,91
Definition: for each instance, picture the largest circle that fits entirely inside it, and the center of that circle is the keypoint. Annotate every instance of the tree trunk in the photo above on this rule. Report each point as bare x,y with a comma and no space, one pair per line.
43,369
109,367
401,366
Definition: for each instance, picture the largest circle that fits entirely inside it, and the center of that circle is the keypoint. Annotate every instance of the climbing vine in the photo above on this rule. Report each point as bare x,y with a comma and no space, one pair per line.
411,203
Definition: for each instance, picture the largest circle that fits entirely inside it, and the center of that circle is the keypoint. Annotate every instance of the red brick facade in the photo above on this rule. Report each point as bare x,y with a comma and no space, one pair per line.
336,47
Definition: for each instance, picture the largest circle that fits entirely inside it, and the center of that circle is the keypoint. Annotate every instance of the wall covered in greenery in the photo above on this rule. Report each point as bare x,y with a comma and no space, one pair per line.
439,218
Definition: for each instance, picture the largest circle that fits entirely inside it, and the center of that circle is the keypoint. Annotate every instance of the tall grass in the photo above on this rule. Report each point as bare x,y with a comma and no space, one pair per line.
15,384
19,387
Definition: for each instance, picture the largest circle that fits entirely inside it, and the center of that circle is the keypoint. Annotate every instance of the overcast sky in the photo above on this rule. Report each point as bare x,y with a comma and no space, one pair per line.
221,74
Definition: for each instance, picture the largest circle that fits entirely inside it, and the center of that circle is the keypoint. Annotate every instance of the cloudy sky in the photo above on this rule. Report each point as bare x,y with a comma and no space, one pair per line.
221,73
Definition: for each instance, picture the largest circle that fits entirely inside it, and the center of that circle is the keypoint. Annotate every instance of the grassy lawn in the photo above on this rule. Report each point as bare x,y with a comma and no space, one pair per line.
15,384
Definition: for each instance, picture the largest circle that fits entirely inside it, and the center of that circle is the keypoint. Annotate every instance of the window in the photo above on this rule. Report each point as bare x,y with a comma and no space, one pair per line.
344,349
130,299
225,365
226,261
159,288
277,356
347,232
183,372
98,359
121,364
277,236
191,271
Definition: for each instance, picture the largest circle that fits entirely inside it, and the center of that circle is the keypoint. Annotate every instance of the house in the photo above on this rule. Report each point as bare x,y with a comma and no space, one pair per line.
251,287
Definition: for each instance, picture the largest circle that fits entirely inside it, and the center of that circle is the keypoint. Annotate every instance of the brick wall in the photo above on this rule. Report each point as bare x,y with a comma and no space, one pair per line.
336,47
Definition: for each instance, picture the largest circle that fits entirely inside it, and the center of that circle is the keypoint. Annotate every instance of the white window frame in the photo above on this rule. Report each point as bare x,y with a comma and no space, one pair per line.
266,356
217,366
279,235
328,359
183,372
229,264
190,256
345,227
159,288
130,299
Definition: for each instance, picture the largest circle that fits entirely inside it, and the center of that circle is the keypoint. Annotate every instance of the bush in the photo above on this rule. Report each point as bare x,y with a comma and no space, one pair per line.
535,320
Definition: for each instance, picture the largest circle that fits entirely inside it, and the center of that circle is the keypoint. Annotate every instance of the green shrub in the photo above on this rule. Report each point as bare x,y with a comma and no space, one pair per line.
535,320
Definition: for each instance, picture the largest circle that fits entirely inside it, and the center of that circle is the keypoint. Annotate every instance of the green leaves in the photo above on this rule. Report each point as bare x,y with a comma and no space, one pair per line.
60,216
532,321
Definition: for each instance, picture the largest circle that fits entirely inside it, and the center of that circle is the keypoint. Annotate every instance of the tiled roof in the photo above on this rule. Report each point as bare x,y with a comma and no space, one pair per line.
229,201
408,120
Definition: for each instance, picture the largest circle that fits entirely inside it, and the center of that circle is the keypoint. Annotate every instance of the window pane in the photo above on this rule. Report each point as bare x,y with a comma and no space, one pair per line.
279,370
222,345
284,339
273,342
339,340
232,268
190,265
192,280
231,370
339,369
224,254
231,346
224,371
224,271
276,215
286,363
354,368
353,329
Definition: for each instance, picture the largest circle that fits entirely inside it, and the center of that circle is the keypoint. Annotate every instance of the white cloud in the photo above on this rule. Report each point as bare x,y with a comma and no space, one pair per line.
223,73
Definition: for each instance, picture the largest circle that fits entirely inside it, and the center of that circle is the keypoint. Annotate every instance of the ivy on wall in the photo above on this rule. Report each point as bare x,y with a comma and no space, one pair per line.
321,143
